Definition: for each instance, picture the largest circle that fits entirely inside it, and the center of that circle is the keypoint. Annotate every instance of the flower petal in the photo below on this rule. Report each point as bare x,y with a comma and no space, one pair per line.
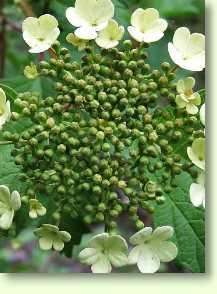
118,259
165,250
15,200
58,244
45,243
98,241
86,33
148,262
65,236
116,243
47,24
89,255
134,254
181,39
33,213
141,236
135,34
102,266
5,195
74,18
191,109
6,219
150,37
163,233
196,44
197,194
2,97
31,25
41,211
203,114
180,102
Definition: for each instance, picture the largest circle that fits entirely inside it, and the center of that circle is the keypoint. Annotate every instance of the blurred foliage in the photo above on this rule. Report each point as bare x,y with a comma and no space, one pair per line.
188,13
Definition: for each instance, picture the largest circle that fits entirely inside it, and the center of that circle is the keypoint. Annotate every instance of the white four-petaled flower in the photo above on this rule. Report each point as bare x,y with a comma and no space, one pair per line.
197,191
151,248
110,36
188,50
40,33
5,111
9,203
36,208
203,114
90,16
50,236
196,152
104,251
186,98
146,25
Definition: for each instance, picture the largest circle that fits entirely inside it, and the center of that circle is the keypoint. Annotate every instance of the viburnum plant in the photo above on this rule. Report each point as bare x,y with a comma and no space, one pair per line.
117,137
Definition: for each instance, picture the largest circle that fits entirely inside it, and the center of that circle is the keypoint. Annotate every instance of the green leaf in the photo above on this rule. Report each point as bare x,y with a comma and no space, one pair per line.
188,223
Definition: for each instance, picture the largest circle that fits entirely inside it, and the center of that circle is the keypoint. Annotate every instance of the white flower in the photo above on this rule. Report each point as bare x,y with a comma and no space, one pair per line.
50,236
110,36
147,26
90,16
196,152
9,203
197,191
36,208
104,251
40,33
5,110
188,50
203,114
187,98
152,248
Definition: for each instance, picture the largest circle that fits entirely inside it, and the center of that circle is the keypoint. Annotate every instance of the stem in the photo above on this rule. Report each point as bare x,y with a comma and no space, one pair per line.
52,53
26,8
2,39
5,143
174,69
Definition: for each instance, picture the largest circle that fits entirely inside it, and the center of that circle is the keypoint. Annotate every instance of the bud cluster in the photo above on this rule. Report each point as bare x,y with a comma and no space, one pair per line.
112,126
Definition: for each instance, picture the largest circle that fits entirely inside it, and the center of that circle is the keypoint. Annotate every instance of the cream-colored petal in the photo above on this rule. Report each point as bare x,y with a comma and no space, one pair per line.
5,195
31,26
89,255
118,259
86,33
58,244
134,254
194,158
141,236
40,48
176,56
143,19
181,39
99,241
180,102
102,266
163,233
148,262
135,34
165,250
6,219
15,200
41,210
197,194
2,97
33,213
203,114
117,243
45,243
191,109
196,45
65,236
150,37
196,63
189,84
74,18
47,24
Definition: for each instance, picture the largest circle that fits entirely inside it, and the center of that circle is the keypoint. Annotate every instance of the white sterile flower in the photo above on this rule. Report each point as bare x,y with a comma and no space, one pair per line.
36,208
186,97
104,251
9,203
90,16
5,110
146,25
50,236
188,50
152,248
203,114
40,33
110,36
196,152
197,191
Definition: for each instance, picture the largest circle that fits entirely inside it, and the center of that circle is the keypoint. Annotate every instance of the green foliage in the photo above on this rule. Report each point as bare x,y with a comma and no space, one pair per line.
188,223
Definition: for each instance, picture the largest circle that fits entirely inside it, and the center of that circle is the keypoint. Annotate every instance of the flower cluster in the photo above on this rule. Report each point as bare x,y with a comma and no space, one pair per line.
111,129
150,248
